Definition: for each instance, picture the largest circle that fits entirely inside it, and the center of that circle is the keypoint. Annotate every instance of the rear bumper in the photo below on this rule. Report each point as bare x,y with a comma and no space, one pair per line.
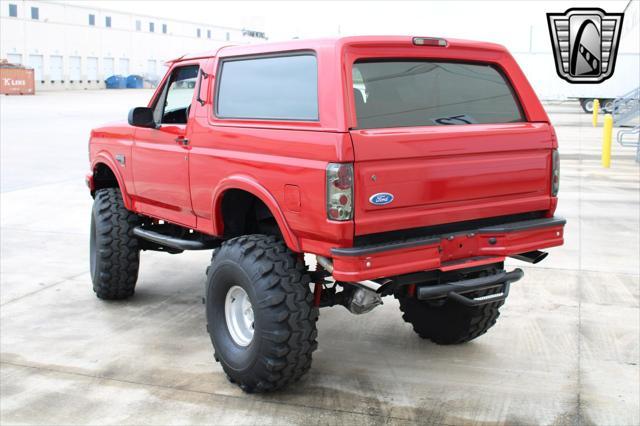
447,251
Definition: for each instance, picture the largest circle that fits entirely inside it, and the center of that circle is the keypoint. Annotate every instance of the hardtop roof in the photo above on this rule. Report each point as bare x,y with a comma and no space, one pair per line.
338,43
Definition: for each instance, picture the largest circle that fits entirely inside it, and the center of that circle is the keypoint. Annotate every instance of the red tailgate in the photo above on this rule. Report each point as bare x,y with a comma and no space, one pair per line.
441,174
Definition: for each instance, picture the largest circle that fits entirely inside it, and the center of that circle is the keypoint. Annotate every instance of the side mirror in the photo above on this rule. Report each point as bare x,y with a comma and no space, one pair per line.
142,117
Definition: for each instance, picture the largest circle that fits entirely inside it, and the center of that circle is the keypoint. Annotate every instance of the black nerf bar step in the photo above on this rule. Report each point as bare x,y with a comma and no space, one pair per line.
454,290
174,242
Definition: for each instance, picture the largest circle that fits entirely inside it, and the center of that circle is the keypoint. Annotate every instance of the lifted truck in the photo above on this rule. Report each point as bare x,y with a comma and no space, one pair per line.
408,166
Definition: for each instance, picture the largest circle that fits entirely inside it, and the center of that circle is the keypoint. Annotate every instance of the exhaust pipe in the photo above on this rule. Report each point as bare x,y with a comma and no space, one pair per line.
531,256
327,264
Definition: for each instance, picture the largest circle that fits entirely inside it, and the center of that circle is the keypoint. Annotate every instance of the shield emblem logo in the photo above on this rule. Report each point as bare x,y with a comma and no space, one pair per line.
585,43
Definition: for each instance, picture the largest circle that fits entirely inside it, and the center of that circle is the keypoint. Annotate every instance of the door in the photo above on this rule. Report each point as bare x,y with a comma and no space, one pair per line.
14,58
123,66
35,62
55,67
108,68
75,73
151,67
92,68
161,155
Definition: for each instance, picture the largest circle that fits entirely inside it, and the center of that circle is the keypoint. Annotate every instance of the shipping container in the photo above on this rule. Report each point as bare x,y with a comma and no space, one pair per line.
16,79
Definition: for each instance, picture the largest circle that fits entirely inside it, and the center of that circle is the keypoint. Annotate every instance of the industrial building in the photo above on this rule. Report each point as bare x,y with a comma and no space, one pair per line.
78,47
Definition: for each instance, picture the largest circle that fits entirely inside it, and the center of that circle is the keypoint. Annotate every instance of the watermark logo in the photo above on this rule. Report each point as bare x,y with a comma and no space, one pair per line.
585,43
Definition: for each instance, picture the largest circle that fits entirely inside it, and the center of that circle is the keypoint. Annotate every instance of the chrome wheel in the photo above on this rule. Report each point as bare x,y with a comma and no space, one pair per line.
238,313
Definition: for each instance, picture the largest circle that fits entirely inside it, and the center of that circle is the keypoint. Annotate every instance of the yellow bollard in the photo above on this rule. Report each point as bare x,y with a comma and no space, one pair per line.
596,107
607,131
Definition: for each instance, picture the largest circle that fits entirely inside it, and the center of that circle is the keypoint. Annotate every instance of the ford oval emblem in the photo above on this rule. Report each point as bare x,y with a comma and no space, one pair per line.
381,198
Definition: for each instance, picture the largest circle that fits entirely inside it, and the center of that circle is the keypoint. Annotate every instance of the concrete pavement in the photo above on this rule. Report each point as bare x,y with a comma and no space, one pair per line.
565,349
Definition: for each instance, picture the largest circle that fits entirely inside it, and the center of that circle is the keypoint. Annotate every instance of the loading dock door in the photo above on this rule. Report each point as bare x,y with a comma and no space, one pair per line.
14,58
123,66
151,67
55,67
92,68
108,68
35,62
75,73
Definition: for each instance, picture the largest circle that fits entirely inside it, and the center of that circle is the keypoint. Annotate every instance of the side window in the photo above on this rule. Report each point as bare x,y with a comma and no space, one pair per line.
173,104
277,88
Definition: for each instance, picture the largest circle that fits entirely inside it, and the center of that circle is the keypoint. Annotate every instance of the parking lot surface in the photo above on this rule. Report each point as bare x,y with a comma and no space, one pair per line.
564,351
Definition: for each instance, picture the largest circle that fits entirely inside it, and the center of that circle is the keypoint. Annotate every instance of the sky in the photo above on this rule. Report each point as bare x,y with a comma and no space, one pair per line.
520,25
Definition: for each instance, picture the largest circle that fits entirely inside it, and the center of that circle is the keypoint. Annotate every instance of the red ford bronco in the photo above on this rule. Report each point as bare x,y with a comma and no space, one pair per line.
407,166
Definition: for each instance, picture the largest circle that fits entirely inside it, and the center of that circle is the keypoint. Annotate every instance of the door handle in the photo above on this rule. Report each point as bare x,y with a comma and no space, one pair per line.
182,140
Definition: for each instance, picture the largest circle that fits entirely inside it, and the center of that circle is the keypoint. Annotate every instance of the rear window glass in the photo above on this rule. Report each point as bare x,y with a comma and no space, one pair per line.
428,93
280,88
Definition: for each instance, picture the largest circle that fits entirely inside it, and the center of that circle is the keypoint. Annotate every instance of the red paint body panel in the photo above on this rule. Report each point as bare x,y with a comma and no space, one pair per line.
438,174
165,193
444,174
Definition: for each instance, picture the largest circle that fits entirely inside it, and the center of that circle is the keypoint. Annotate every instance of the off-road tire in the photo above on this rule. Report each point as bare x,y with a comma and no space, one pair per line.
277,284
114,250
450,322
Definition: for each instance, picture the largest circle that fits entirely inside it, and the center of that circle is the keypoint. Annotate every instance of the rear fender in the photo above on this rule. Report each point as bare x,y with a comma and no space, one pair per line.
250,185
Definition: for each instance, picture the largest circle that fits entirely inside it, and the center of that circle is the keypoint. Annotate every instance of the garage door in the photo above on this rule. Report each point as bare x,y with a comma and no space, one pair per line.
123,66
75,73
55,67
151,67
108,68
92,68
14,58
35,62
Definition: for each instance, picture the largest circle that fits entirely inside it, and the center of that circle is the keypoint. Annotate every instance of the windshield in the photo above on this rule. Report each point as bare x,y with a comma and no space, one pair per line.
427,93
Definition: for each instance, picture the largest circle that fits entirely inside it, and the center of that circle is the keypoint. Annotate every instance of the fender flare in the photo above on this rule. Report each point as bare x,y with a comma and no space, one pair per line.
250,185
105,158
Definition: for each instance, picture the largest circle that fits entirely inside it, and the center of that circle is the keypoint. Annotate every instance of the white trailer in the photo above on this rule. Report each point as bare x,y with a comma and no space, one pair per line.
541,72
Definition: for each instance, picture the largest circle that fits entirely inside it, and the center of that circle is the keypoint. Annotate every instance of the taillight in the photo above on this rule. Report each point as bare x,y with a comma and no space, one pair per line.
340,191
555,172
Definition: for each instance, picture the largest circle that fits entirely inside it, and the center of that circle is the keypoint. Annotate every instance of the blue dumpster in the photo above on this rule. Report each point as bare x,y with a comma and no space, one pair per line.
116,82
134,82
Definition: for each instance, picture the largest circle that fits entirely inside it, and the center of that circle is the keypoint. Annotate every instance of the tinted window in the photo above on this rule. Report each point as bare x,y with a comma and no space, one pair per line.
269,88
35,13
164,28
427,93
151,27
107,21
13,10
92,19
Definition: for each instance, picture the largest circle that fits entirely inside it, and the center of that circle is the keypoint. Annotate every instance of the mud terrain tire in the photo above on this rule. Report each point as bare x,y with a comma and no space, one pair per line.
114,250
283,319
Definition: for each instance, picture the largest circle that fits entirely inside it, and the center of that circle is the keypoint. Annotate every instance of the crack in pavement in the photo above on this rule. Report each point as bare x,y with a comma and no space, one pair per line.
44,288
